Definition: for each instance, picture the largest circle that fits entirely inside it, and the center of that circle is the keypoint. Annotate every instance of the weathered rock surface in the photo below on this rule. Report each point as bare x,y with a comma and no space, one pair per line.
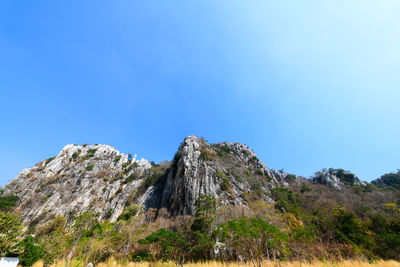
225,170
77,179
101,179
337,178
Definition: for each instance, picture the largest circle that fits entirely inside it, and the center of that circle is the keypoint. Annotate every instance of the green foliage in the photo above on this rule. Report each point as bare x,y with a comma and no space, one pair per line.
76,154
49,160
89,167
224,181
304,234
8,202
256,186
253,239
117,158
10,229
224,150
91,152
31,251
170,245
83,223
290,178
130,167
131,178
286,200
238,178
206,208
305,188
129,212
391,180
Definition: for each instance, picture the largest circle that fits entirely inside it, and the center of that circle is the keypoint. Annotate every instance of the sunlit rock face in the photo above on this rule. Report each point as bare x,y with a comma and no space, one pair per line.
101,179
225,170
337,179
77,179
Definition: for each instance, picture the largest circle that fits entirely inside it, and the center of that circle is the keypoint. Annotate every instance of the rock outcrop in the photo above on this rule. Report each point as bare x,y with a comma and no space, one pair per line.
337,178
77,179
101,179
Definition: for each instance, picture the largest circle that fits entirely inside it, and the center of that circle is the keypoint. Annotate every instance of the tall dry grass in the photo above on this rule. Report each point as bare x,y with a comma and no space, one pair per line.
346,263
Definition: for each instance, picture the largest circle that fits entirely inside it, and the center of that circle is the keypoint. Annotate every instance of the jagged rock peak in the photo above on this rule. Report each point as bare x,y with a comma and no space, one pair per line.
228,171
101,179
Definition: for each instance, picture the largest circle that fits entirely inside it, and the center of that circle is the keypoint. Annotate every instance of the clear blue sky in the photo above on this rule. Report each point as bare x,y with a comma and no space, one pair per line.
306,84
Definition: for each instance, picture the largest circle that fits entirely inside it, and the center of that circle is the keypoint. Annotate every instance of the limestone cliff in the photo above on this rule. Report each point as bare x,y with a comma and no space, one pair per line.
101,179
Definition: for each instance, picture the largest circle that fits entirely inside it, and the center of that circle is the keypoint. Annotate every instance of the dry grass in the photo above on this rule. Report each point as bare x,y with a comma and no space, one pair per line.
347,263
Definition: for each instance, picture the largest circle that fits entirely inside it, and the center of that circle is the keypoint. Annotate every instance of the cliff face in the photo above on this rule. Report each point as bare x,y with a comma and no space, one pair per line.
101,179
225,170
77,179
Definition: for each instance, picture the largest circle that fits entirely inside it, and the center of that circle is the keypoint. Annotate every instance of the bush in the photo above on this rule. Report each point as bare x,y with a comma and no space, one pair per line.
31,251
89,167
10,230
305,188
76,154
206,154
252,239
286,201
8,202
224,181
49,160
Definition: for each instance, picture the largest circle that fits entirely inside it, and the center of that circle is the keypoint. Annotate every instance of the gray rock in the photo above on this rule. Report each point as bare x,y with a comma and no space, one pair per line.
101,179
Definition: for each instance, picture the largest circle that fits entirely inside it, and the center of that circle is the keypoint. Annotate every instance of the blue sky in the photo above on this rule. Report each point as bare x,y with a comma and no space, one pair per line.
306,84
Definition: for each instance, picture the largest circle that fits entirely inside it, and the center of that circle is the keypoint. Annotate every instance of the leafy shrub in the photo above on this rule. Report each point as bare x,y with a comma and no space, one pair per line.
8,202
117,158
305,188
286,200
252,239
91,152
49,160
391,180
89,167
129,212
31,251
224,181
76,154
290,178
10,230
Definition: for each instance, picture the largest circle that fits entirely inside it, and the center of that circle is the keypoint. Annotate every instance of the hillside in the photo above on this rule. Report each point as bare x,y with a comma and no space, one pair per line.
95,200
101,178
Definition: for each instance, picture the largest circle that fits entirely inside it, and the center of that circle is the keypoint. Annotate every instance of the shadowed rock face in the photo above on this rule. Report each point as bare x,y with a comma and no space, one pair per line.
100,178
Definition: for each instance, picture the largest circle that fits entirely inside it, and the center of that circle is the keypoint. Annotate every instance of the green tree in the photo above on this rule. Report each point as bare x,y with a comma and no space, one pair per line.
252,239
169,245
31,251
10,230
206,208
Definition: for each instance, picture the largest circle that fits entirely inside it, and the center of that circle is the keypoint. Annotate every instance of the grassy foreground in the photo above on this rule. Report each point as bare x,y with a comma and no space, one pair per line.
345,263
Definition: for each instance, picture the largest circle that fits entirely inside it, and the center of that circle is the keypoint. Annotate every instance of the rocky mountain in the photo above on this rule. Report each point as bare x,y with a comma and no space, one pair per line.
93,200
100,178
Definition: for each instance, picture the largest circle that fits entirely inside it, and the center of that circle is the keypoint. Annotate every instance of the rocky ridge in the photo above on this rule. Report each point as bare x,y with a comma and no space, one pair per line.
101,179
